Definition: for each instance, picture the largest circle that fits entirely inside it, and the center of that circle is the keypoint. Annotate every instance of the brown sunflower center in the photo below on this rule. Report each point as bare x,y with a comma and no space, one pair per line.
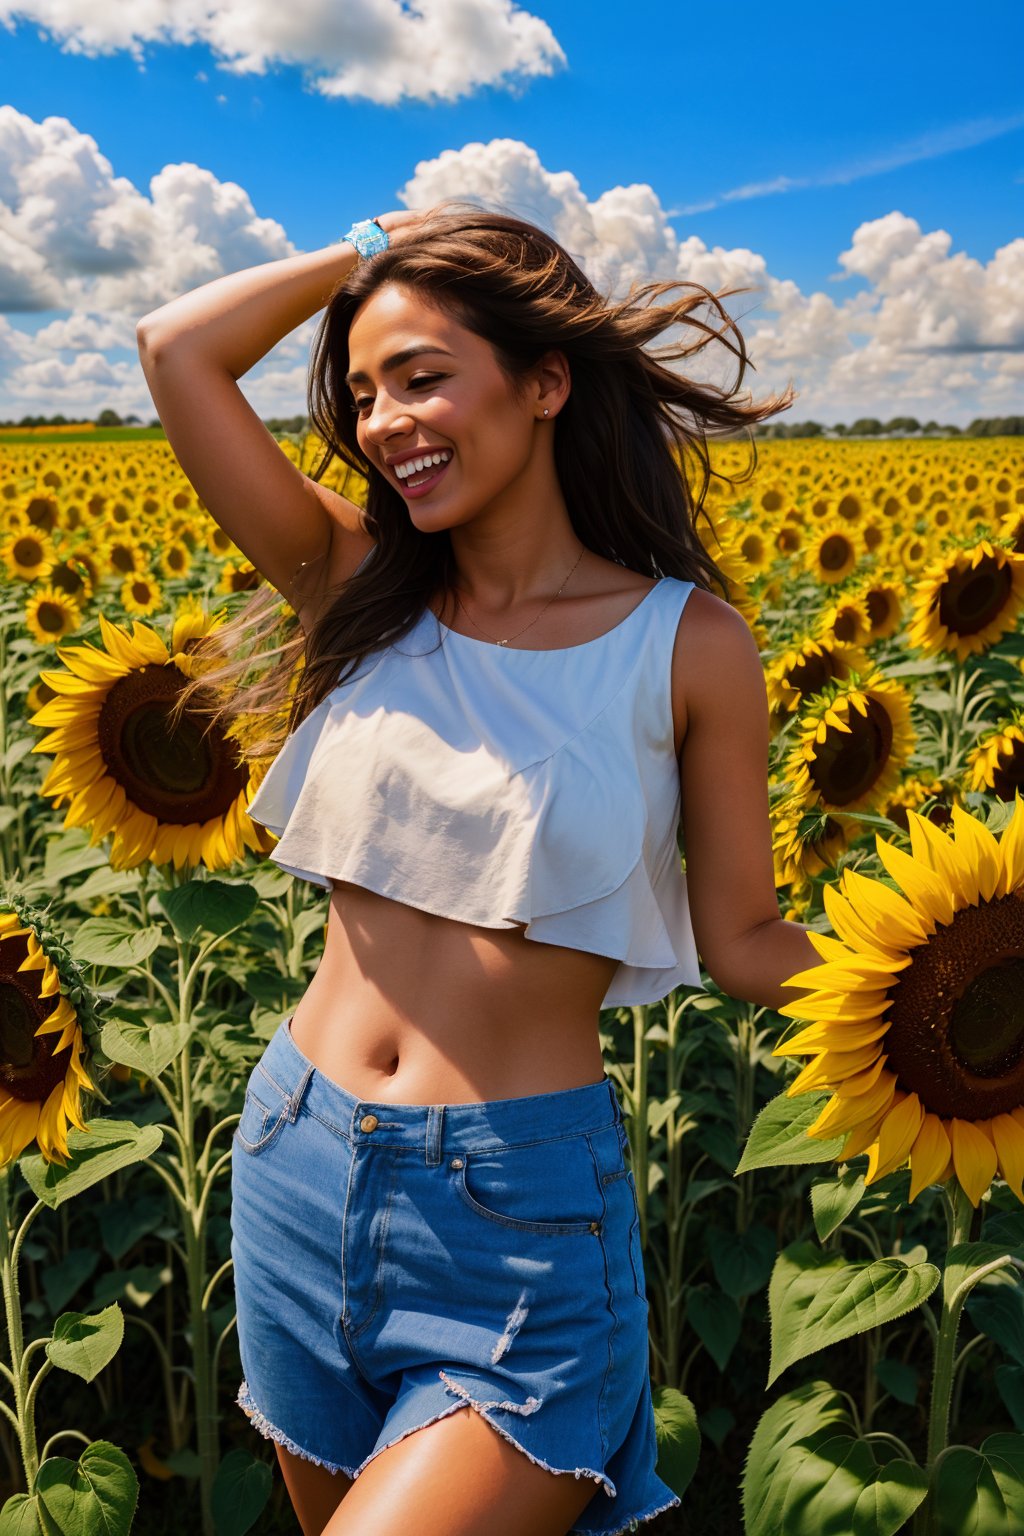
847,763
51,617
178,774
956,1026
971,599
30,1069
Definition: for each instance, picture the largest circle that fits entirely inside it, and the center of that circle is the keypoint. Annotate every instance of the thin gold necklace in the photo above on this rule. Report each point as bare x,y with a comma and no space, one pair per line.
518,632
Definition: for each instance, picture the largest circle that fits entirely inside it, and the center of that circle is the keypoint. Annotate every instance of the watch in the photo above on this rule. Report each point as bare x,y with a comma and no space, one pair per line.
367,237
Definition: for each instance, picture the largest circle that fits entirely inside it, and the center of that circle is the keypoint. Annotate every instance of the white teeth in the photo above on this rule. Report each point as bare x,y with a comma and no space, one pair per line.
416,466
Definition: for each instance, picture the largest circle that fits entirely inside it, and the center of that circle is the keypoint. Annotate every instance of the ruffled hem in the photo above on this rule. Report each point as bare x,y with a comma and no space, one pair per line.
631,1524
269,1431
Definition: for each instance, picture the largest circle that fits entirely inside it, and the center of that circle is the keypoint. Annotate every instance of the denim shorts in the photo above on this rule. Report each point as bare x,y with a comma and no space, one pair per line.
394,1262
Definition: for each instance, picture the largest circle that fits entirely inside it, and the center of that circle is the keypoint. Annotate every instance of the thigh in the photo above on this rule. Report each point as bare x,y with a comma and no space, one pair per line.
315,1492
458,1477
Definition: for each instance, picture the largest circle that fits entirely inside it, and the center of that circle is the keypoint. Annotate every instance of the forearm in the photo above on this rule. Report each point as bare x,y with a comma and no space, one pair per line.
235,320
761,961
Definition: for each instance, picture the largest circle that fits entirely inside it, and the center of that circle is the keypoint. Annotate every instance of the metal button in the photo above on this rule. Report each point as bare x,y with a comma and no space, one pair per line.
368,1123
595,1226
456,1162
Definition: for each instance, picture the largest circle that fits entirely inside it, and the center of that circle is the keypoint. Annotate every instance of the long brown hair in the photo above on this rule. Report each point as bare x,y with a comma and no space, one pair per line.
626,442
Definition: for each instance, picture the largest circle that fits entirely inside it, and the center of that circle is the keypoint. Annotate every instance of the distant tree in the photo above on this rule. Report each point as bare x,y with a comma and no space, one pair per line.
866,426
840,429
952,431
108,418
903,424
156,422
131,421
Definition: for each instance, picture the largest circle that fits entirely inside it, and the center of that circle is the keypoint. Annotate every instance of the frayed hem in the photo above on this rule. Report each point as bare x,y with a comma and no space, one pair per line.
530,1406
260,1422
632,1523
379,1451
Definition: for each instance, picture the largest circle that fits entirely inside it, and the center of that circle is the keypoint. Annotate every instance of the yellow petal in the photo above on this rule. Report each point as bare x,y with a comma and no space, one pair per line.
1008,1138
843,1114
974,1158
927,890
903,925
929,1155
978,857
1011,846
896,1136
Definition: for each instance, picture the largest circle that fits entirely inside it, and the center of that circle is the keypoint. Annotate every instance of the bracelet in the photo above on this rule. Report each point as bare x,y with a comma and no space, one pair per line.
368,237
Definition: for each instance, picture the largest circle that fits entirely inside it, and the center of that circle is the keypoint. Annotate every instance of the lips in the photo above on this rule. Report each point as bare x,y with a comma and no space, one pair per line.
427,485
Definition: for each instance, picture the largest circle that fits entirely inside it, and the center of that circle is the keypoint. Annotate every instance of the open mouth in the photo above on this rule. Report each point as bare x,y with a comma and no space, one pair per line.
420,484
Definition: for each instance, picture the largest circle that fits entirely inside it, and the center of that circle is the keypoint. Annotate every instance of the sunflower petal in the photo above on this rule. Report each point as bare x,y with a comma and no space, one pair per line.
896,1137
929,1155
1011,846
978,856
927,890
974,1158
1008,1138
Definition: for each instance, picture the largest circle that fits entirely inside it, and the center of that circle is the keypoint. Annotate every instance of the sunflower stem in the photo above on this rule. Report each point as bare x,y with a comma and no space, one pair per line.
23,1416
959,1213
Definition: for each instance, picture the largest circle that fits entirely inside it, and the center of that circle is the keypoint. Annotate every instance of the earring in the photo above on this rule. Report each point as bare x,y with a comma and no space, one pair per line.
545,410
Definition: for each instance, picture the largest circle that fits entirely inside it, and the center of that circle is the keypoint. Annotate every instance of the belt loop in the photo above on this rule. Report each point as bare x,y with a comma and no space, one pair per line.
435,1123
295,1098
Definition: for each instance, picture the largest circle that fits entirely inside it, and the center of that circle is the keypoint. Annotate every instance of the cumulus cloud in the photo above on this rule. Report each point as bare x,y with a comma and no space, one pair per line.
933,332
375,50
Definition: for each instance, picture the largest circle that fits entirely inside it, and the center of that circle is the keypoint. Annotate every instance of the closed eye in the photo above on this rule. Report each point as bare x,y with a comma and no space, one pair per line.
424,378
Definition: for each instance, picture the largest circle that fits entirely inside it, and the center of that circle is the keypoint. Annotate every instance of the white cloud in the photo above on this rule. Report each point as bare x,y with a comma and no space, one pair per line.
382,51
934,332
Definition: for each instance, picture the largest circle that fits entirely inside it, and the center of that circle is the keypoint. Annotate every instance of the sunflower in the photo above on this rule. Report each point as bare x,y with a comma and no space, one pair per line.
918,1009
50,614
803,669
140,594
854,738
997,762
833,555
166,794
28,555
41,1041
967,599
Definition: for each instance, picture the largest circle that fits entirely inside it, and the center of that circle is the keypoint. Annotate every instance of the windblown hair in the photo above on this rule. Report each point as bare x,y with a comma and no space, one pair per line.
624,444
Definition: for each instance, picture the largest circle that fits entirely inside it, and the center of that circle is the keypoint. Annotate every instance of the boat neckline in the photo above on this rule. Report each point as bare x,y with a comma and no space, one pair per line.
549,650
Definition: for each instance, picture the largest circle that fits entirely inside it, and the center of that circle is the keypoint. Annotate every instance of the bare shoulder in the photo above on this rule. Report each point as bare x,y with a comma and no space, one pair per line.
715,658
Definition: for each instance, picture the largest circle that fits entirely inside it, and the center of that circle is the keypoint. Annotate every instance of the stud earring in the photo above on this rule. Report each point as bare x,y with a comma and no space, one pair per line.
545,410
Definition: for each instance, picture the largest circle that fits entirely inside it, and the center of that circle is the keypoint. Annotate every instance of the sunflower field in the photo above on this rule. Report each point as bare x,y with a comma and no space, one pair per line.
830,1198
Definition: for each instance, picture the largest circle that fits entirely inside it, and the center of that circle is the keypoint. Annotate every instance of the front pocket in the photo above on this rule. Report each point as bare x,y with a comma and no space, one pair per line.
263,1114
546,1187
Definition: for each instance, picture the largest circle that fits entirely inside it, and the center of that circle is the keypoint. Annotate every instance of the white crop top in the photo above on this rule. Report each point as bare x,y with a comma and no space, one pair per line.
500,787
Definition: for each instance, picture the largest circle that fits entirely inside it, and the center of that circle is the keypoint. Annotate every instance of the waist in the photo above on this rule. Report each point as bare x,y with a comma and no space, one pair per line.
415,1008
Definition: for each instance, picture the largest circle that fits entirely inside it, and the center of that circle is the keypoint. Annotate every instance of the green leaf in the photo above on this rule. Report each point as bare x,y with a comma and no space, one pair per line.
677,1436
817,1298
837,1488
95,1496
996,1308
716,1423
61,1281
778,1137
1010,1382
84,1343
149,1048
123,1222
240,1493
899,1380
811,1409
105,1148
70,854
715,1319
889,1500
980,1490
214,905
742,1261
19,1517
832,1200
807,1471
114,941
966,1260
139,1284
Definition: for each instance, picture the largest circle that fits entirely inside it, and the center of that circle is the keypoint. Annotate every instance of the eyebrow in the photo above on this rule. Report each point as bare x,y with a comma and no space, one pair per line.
394,361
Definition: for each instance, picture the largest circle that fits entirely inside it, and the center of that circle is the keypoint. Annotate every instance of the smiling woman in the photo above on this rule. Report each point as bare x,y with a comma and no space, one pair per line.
494,812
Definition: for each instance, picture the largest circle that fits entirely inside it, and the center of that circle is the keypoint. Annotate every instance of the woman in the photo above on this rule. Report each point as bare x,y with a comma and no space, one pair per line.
502,657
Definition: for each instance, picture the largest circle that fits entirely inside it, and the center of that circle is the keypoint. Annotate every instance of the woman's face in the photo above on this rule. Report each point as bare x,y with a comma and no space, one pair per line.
452,395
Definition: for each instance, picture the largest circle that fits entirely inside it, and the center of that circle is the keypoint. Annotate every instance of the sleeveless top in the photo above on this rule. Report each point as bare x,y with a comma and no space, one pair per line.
500,787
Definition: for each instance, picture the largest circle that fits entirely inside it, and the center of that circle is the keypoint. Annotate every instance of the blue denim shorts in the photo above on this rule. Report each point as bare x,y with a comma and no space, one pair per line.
394,1262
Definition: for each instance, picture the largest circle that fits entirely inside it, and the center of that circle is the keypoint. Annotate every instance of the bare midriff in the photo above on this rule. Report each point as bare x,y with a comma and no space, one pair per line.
411,1008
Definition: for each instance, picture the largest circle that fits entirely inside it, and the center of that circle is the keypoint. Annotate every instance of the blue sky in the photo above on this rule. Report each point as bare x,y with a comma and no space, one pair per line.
761,143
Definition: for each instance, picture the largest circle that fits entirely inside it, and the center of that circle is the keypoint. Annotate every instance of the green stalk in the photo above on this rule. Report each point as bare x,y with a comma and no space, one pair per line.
959,1213
23,1416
